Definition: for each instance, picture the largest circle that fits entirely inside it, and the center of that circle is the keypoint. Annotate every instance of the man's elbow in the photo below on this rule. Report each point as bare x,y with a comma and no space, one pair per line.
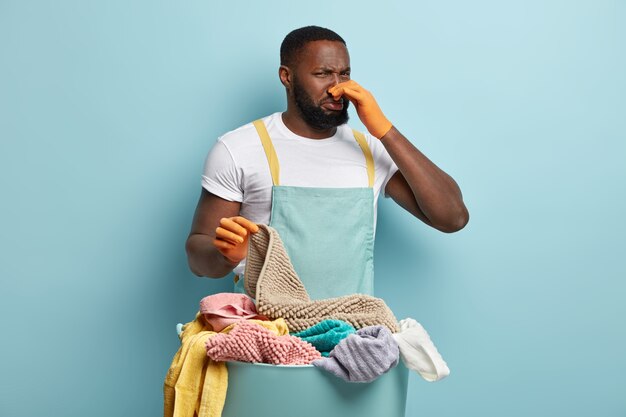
193,269
191,249
455,224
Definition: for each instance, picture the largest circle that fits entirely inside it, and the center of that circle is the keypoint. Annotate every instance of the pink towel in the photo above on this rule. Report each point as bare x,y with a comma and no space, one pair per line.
249,342
223,309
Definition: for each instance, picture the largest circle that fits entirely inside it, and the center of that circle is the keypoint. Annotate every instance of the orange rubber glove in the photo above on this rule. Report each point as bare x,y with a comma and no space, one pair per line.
231,237
366,107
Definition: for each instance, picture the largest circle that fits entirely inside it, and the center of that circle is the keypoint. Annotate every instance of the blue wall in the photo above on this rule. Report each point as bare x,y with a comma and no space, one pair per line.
107,110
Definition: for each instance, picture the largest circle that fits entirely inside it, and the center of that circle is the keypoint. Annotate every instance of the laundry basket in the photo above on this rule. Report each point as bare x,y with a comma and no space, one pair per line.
263,390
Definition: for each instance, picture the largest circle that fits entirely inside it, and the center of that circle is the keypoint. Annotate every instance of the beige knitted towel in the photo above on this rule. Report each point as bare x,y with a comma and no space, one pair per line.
271,279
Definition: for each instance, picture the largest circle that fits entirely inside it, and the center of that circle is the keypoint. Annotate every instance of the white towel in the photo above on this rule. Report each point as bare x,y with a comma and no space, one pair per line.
418,352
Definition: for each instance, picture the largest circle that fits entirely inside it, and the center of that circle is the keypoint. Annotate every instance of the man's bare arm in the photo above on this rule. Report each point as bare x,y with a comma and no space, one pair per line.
422,188
203,257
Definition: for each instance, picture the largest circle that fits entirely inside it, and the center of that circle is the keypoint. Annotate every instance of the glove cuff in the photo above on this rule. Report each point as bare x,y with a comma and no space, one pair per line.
381,129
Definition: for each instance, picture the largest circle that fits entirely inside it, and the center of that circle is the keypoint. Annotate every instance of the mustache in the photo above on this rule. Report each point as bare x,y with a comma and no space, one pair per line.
343,100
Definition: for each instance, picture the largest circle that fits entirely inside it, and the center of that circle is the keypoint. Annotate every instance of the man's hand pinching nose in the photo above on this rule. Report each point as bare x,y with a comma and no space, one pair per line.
231,237
366,107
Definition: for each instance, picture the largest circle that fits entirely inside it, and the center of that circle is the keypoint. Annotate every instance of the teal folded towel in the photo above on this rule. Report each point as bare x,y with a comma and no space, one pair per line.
325,335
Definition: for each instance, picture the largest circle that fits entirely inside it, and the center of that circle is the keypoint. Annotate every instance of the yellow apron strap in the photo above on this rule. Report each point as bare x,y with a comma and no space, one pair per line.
369,159
270,152
272,159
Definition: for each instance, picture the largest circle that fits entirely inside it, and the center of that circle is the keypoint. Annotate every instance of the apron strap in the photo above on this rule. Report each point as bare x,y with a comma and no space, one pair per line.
272,159
369,159
270,152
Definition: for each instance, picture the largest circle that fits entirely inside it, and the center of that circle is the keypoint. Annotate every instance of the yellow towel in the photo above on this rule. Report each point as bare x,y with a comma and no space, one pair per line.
195,385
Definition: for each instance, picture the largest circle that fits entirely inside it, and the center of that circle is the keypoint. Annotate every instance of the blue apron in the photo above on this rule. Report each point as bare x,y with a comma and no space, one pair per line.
327,232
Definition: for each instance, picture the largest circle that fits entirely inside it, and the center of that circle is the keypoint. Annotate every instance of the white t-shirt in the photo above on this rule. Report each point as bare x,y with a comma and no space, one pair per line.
236,168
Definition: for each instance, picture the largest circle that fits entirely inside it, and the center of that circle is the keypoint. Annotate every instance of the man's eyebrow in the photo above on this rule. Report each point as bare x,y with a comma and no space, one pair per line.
329,69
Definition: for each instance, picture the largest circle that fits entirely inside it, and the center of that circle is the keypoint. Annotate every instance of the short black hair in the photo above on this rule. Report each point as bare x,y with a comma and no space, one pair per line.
298,38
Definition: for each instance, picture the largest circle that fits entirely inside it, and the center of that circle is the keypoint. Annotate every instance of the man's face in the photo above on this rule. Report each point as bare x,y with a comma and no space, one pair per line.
321,65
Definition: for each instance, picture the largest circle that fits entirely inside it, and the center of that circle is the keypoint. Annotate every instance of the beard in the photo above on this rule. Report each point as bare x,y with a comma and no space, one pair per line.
314,115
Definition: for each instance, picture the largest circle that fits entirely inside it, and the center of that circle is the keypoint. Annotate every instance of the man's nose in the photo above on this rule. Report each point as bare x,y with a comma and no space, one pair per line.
335,79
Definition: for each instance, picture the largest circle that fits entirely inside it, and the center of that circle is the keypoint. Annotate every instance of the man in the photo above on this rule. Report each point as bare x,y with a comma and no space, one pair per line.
307,174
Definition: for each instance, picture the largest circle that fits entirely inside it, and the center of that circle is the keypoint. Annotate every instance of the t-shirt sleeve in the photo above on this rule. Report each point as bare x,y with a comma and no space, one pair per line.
384,165
221,175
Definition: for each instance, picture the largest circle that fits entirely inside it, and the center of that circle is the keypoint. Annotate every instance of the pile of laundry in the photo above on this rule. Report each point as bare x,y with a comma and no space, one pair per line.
356,337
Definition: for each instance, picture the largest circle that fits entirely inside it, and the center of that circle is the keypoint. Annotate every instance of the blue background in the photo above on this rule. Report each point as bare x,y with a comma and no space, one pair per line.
107,110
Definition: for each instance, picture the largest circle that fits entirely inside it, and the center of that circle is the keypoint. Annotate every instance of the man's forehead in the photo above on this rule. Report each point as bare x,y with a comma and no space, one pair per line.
330,54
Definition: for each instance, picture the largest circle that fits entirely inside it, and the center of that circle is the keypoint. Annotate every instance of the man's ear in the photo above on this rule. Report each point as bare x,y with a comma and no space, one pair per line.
285,75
